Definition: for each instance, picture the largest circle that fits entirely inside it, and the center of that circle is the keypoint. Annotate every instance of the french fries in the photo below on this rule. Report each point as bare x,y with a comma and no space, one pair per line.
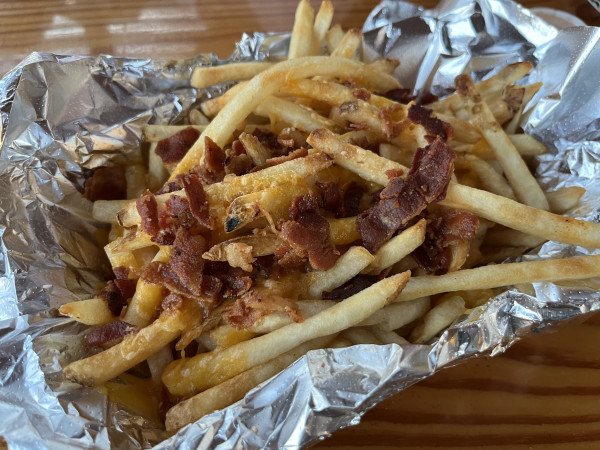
313,210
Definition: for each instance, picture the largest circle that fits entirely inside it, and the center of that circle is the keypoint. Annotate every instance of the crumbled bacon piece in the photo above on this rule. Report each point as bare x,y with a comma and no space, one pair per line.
402,200
433,126
406,96
148,210
113,297
213,169
362,94
186,260
106,183
174,148
239,164
298,153
307,233
331,197
197,199
110,334
246,310
121,272
351,287
352,197
270,141
445,228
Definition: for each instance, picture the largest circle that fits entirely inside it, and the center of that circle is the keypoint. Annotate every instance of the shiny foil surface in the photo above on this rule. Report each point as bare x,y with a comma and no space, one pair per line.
63,115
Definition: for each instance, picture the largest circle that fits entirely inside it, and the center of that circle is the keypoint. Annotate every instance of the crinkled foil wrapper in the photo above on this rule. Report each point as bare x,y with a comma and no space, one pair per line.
63,115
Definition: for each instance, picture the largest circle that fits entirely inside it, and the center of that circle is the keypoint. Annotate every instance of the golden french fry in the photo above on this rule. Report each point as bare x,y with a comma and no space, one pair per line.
93,311
399,314
387,337
334,37
360,336
397,248
293,114
349,44
221,129
575,268
321,27
565,198
301,41
438,319
132,350
516,171
346,267
107,210
209,369
232,390
208,75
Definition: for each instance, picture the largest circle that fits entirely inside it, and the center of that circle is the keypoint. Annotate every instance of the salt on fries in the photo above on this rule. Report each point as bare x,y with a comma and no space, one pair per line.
295,216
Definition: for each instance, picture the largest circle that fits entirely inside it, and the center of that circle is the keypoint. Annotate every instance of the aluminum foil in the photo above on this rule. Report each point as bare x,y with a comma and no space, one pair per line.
63,115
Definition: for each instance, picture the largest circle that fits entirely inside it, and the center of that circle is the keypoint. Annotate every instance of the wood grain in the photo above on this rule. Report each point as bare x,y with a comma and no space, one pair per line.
177,29
543,393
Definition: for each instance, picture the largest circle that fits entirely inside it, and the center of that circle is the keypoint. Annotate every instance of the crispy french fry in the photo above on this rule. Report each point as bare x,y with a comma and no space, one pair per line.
334,37
93,311
575,268
349,44
321,27
220,130
255,149
232,390
360,336
399,314
207,370
397,248
221,194
301,41
520,178
564,199
481,203
347,266
208,75
438,319
387,337
343,231
490,179
297,116
132,350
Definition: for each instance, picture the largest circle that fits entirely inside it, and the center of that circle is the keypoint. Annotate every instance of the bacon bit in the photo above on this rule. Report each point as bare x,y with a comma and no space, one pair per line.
239,164
308,234
434,126
351,287
174,148
331,197
171,186
121,272
197,198
402,200
127,287
270,141
110,334
245,311
211,287
186,260
148,210
106,183
406,96
352,197
298,153
171,302
444,228
113,297
362,94
213,169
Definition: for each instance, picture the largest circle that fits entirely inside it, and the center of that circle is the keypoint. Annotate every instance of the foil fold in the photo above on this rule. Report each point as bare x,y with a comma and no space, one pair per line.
63,115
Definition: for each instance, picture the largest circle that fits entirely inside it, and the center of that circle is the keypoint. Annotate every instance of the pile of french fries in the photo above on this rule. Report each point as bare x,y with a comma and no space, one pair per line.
306,98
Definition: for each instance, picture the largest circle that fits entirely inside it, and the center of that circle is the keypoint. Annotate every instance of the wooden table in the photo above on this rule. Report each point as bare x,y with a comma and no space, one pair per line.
544,392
